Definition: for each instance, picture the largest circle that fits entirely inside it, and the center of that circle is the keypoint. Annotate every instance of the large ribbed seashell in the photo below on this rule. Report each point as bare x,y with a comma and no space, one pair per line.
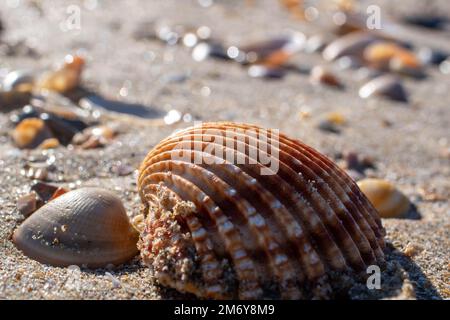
386,86
241,229
88,226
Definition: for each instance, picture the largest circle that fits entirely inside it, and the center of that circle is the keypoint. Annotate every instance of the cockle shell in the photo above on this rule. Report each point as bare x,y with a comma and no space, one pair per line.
386,198
88,226
241,229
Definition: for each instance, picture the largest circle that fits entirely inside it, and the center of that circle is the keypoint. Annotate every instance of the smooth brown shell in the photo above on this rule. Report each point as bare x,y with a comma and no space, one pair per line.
225,230
88,226
385,197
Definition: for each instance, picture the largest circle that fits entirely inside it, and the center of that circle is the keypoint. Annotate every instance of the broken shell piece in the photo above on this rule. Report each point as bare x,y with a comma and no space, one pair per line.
431,56
51,143
66,78
44,191
386,198
387,86
88,226
94,137
205,50
321,75
30,133
274,52
391,56
220,228
27,204
352,44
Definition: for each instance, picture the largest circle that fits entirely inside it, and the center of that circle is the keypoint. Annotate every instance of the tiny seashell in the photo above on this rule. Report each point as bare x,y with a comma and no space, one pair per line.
64,129
352,44
44,191
88,226
64,79
30,133
390,56
411,250
321,75
385,197
429,21
387,86
347,62
220,228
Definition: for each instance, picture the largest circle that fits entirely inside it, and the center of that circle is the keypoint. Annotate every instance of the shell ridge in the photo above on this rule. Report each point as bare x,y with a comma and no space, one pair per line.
348,245
364,242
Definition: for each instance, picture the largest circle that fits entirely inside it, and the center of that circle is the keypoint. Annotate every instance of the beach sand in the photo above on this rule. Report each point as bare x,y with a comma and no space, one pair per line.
413,151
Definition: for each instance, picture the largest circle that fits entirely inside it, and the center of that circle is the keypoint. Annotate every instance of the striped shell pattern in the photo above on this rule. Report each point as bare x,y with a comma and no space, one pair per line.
241,229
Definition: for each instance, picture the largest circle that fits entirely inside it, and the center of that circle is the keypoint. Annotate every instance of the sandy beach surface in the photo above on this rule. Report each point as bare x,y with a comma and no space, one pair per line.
409,143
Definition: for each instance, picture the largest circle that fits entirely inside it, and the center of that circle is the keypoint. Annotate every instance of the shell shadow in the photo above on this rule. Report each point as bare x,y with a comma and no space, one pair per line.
423,288
397,269
99,102
413,213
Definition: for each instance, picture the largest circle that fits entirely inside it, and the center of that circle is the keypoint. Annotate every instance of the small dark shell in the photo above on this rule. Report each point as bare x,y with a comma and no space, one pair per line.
225,230
387,86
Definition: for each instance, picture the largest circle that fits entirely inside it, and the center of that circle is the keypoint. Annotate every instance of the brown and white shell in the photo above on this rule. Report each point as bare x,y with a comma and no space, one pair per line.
87,226
245,229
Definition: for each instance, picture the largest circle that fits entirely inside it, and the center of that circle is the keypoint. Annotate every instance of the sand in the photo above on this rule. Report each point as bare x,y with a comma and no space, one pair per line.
413,151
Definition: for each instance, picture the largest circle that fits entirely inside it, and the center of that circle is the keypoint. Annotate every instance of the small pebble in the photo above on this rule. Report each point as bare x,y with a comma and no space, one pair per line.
321,75
27,204
385,197
30,133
